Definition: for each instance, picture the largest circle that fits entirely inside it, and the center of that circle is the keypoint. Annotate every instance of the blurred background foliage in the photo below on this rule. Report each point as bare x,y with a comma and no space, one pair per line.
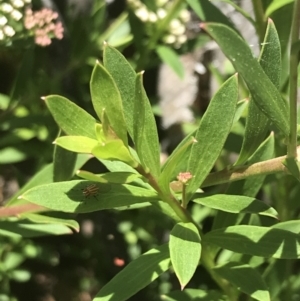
183,69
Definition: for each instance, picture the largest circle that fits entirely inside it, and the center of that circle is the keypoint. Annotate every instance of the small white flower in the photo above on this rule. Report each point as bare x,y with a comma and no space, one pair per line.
179,30
3,21
185,16
16,15
6,8
182,39
27,1
9,31
175,23
169,39
161,13
142,13
17,3
1,35
152,17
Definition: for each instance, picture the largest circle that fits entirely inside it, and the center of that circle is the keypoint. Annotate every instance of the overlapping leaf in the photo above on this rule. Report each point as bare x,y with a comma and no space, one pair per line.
263,91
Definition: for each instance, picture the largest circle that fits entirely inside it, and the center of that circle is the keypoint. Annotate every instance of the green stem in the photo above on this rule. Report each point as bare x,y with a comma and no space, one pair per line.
292,144
206,259
162,26
259,19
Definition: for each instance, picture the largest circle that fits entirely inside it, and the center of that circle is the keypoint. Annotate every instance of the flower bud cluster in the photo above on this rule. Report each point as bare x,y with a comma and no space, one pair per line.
176,33
43,25
18,21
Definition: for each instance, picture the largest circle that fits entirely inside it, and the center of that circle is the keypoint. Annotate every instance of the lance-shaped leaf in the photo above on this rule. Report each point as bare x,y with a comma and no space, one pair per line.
106,96
212,133
44,219
87,196
145,131
246,278
185,251
124,77
257,241
237,204
171,58
63,164
136,275
77,144
110,177
29,229
70,118
264,93
257,123
208,12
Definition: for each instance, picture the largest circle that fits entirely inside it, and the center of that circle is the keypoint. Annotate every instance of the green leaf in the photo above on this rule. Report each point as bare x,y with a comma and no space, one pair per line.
185,251
69,196
145,131
136,275
206,11
293,167
174,161
257,241
260,86
248,187
63,164
237,204
70,118
114,150
275,5
212,133
111,177
124,77
292,226
257,123
77,144
29,229
44,219
246,278
193,295
106,96
171,58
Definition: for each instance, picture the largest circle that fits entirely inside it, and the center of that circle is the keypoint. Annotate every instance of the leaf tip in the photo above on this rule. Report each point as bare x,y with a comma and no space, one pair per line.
202,25
182,287
43,98
104,43
20,197
54,142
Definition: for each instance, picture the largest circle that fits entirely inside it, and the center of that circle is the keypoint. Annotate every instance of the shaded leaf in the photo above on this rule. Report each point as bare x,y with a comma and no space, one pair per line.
124,77
44,219
70,118
136,275
237,204
145,131
69,196
246,278
29,229
257,123
275,5
185,251
212,133
106,96
257,241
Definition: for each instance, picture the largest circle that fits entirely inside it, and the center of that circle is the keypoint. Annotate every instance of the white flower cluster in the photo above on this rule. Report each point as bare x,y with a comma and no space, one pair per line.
11,12
176,34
